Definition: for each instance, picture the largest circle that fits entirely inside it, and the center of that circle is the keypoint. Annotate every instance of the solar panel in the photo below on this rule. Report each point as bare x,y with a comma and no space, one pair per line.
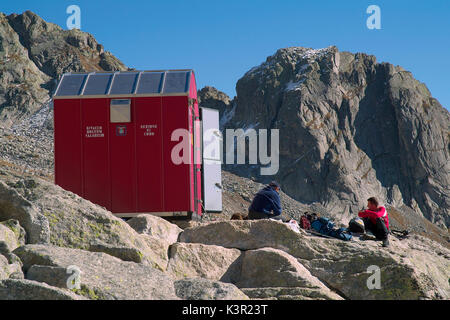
97,84
150,82
71,85
123,83
176,82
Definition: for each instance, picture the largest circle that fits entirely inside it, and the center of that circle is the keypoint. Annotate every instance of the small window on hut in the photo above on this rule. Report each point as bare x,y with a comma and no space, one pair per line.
120,111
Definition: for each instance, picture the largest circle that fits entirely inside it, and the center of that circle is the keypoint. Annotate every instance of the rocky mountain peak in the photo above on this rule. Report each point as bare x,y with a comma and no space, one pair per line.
211,93
34,54
210,97
56,51
294,57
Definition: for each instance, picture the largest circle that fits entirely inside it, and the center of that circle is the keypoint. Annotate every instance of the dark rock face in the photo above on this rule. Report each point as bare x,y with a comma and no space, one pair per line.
350,128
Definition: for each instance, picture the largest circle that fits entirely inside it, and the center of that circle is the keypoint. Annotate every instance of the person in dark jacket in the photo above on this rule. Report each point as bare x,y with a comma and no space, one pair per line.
266,204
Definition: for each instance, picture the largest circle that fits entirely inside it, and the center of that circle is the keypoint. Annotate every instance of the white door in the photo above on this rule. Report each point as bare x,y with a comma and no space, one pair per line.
212,167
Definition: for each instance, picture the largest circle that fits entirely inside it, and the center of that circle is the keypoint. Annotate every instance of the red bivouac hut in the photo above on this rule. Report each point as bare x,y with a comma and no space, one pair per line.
114,142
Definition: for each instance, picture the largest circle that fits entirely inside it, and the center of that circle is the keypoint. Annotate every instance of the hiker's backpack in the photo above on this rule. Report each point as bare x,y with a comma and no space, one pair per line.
341,233
356,225
305,223
323,226
326,227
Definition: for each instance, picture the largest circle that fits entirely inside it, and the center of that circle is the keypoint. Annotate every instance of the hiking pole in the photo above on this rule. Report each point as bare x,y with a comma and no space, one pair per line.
318,234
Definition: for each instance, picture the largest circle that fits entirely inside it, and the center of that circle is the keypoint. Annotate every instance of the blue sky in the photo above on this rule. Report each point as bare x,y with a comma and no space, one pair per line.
221,40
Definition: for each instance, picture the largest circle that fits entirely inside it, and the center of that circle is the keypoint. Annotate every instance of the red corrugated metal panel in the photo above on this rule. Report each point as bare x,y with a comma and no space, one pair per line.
123,170
95,128
177,191
68,159
192,166
149,150
198,155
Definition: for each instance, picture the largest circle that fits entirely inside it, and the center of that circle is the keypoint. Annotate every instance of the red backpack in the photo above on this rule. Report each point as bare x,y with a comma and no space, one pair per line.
305,223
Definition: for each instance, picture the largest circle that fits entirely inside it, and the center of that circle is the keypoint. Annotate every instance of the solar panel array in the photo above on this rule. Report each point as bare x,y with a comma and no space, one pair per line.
124,83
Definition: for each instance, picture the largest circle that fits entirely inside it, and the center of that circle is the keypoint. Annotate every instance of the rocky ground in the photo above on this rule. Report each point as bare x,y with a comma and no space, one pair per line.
44,230
28,145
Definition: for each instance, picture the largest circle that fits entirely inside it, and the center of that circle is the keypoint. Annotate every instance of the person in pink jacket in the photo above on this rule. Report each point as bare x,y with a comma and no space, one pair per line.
376,220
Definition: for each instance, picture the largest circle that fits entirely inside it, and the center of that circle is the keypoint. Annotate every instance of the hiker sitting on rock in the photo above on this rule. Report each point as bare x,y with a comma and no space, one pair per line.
376,220
266,204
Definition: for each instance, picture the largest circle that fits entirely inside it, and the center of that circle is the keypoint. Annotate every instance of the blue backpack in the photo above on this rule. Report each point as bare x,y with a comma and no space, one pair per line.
326,227
342,234
323,226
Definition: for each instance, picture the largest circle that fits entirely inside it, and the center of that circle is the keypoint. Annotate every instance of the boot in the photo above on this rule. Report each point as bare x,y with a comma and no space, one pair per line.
366,236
